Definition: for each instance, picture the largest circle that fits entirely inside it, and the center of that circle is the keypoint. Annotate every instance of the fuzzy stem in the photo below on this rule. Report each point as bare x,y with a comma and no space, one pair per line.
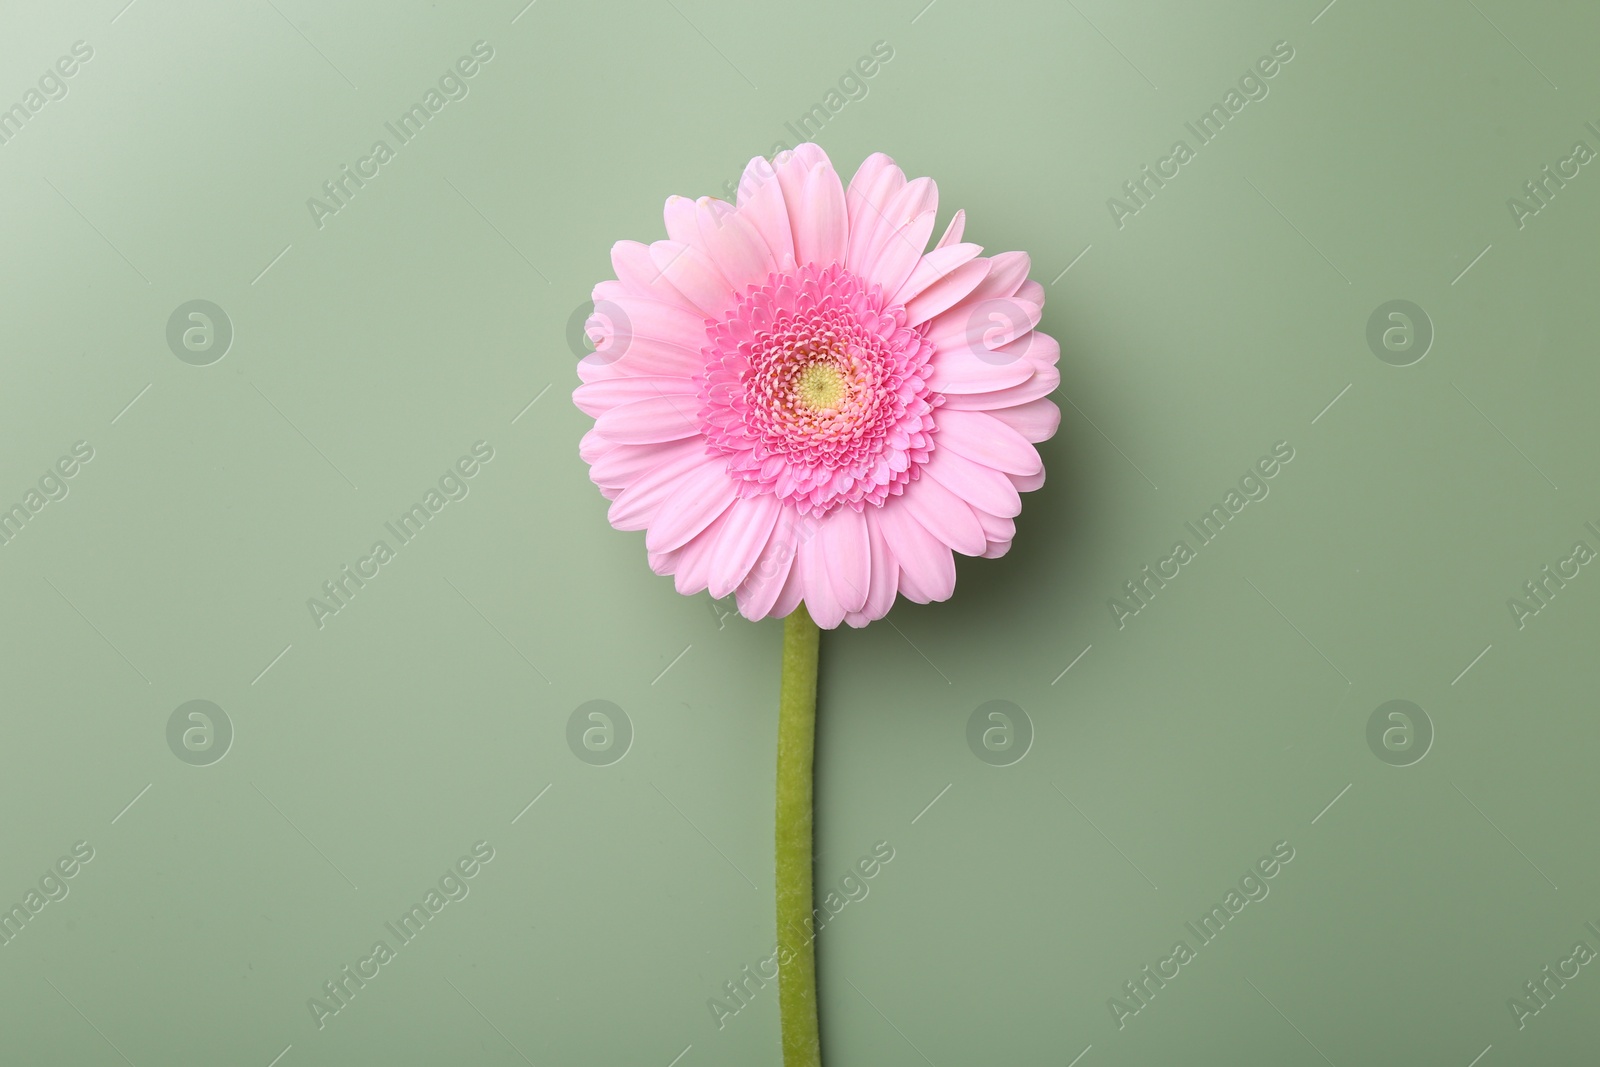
797,719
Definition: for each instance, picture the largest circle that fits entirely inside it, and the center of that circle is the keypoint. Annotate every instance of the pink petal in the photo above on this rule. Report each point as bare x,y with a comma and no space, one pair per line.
645,422
926,565
695,559
943,278
897,246
591,446
1042,383
766,581
793,591
826,609
1027,483
1007,272
991,324
822,233
987,440
640,276
694,275
636,505
965,369
1037,420
953,232
634,334
744,537
761,204
848,550
678,213
619,466
876,182
733,244
996,528
793,168
1042,349
702,496
979,485
943,514
596,397
881,584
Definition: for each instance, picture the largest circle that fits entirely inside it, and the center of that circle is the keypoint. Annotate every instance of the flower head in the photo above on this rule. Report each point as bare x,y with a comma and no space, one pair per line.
797,403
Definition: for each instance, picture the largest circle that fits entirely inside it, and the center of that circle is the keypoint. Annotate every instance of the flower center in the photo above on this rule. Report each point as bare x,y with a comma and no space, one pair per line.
820,387
816,391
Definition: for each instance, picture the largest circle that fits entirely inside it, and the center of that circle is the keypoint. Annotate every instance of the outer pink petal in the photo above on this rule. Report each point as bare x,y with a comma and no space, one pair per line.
702,496
821,601
1027,483
953,232
987,323
793,591
692,570
927,567
1042,383
876,182
619,466
943,278
792,169
596,397
997,529
678,213
761,204
693,274
637,504
961,368
733,244
645,422
591,446
980,437
896,248
762,586
822,232
882,581
1037,420
848,551
981,486
943,514
1007,273
640,276
744,538
634,334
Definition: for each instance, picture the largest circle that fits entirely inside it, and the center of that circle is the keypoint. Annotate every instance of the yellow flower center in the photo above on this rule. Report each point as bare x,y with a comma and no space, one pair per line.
820,386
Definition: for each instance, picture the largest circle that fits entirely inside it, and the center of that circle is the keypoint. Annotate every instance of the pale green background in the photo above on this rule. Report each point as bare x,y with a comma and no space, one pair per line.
434,308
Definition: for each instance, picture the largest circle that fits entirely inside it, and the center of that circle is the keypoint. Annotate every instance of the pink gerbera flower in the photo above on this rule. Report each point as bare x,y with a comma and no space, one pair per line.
797,403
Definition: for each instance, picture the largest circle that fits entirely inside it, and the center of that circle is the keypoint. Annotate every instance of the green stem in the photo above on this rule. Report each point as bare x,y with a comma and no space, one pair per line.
797,721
